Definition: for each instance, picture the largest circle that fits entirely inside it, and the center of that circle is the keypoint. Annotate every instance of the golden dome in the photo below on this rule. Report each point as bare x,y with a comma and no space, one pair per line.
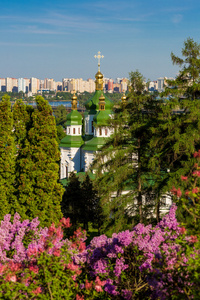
101,98
99,81
74,97
102,102
99,75
123,98
74,102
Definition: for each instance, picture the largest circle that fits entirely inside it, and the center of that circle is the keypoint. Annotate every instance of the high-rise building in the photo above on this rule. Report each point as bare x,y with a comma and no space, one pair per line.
124,84
3,84
34,85
9,84
21,85
110,85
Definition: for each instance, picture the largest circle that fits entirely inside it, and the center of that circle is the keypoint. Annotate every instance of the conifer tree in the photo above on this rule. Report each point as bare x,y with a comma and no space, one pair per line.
176,136
39,192
81,202
72,200
7,158
90,206
21,121
122,164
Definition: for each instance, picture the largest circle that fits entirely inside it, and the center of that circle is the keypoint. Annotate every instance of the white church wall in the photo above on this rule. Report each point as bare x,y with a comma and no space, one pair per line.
74,130
88,159
89,128
165,203
70,161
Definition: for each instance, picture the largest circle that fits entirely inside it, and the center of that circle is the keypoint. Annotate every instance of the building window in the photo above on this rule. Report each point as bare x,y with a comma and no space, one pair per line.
74,130
79,131
100,131
106,131
68,130
92,127
66,172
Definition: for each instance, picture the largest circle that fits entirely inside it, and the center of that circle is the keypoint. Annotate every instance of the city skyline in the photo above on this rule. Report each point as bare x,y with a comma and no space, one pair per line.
59,39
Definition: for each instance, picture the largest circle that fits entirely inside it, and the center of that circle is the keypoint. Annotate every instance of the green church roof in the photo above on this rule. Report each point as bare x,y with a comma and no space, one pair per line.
71,141
74,118
101,117
94,144
92,105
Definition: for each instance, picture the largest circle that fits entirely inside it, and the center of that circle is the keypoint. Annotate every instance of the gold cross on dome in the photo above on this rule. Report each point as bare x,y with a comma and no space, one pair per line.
99,56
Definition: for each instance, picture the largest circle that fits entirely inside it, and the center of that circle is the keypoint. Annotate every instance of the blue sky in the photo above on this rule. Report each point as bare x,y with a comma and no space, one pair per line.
58,39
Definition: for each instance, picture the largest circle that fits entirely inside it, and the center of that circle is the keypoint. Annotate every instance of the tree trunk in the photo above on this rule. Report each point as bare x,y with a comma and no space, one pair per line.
139,185
158,210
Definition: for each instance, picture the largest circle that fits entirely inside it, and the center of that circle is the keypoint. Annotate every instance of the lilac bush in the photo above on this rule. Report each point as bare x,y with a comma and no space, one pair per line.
140,263
144,263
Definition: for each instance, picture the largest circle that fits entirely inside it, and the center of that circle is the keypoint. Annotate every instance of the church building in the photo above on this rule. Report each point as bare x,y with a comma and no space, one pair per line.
78,150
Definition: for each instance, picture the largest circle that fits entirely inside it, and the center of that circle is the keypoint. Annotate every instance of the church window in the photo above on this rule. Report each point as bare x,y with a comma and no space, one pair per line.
66,171
74,130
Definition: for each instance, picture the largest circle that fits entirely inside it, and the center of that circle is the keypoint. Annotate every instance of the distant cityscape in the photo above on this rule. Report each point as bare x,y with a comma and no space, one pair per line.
34,85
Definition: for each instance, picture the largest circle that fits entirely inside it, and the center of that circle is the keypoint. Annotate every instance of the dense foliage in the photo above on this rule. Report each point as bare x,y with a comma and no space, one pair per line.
29,161
160,262
152,145
7,158
39,193
81,202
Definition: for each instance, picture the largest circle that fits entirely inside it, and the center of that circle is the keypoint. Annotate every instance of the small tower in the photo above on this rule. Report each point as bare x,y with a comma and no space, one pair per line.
124,100
101,132
71,143
92,105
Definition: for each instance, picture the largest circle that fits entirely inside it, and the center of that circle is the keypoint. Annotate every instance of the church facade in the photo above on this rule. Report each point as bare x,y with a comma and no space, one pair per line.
78,150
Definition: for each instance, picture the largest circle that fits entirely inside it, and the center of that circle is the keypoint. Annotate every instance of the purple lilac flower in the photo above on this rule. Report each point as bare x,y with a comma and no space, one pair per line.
110,288
119,266
127,294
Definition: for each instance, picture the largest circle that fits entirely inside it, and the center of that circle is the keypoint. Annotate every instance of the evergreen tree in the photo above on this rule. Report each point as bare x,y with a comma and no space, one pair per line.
72,200
60,133
39,193
60,114
21,121
187,83
7,157
81,202
122,164
178,123
90,208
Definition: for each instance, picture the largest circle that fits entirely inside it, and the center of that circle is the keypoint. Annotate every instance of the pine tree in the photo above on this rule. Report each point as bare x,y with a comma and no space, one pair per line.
39,192
176,136
122,164
7,157
187,83
90,206
72,200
